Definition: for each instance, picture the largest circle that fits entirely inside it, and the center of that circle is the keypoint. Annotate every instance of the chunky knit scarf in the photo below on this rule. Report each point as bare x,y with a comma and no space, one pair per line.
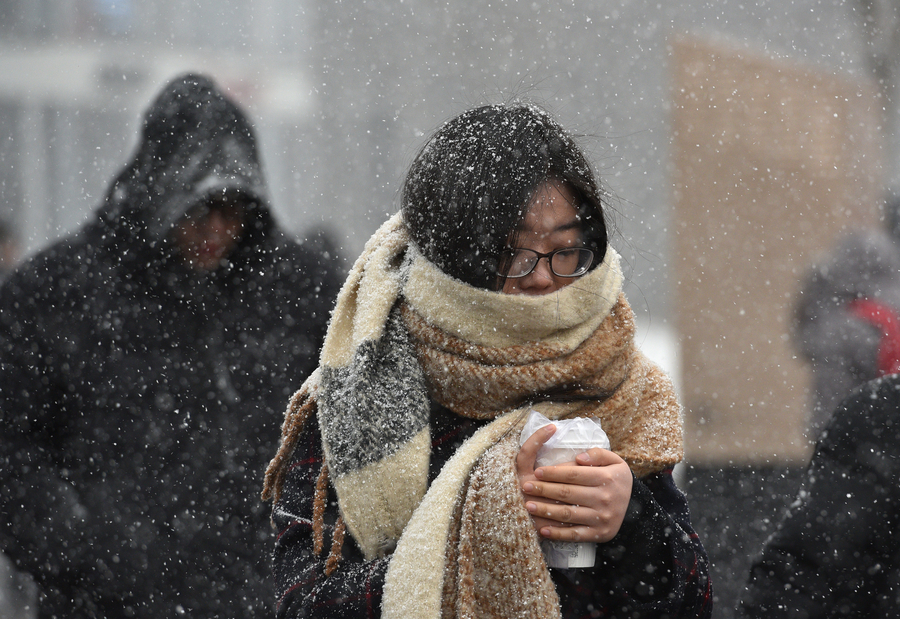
404,333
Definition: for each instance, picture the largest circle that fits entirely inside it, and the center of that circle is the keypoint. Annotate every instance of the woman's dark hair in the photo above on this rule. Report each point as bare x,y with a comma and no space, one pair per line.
469,187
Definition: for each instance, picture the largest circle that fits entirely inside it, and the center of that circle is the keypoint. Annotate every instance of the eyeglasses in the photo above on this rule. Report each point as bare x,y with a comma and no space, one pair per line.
564,262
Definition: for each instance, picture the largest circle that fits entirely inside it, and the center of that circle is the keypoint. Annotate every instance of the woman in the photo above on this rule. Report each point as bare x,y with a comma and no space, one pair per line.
492,292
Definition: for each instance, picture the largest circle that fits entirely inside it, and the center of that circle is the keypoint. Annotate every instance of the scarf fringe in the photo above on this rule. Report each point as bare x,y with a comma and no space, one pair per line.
337,539
319,509
300,407
337,544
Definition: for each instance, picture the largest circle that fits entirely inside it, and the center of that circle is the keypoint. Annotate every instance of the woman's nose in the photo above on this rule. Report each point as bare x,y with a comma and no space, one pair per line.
541,277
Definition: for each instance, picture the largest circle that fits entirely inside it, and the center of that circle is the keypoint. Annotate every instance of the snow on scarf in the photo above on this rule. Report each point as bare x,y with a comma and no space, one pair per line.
466,546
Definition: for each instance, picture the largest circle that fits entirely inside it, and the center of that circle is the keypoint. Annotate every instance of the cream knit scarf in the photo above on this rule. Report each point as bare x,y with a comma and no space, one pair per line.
403,333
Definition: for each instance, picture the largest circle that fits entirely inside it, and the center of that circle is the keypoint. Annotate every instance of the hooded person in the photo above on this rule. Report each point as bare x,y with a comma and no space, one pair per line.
847,315
142,364
400,487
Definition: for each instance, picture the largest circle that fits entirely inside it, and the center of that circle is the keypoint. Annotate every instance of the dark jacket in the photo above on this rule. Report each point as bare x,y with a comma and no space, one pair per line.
655,567
141,401
837,553
846,345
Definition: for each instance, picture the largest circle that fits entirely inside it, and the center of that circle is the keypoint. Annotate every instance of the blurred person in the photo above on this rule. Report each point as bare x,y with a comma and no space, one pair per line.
847,318
144,362
494,291
836,552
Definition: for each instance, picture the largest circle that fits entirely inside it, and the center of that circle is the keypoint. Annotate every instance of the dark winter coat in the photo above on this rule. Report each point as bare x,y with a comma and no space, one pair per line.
655,564
140,401
837,553
842,343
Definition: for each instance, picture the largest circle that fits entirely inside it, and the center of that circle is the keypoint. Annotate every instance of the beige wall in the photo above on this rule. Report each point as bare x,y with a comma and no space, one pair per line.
770,161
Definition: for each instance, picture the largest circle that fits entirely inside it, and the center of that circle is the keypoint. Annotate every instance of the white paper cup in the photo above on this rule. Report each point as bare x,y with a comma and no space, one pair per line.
558,554
569,554
572,437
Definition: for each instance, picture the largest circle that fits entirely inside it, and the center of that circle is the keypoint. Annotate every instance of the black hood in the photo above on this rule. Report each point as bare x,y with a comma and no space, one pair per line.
195,143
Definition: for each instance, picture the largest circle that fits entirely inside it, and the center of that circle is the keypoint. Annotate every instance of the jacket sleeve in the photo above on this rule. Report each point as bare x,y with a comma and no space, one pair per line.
654,567
837,545
354,589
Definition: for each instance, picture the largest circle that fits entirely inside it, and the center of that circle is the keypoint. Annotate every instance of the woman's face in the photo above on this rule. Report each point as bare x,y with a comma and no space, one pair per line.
551,223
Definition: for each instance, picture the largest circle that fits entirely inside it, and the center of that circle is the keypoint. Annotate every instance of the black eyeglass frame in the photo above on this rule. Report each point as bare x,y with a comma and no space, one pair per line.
549,256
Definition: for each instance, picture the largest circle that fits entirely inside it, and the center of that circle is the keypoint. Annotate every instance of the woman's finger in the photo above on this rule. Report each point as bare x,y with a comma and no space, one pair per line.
571,493
529,450
565,514
573,522
541,523
598,457
590,469
579,533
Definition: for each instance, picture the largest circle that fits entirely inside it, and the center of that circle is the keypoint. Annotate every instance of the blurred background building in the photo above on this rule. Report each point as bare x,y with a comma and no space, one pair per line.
737,139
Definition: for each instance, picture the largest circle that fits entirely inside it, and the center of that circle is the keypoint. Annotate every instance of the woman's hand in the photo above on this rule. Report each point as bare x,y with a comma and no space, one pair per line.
582,501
